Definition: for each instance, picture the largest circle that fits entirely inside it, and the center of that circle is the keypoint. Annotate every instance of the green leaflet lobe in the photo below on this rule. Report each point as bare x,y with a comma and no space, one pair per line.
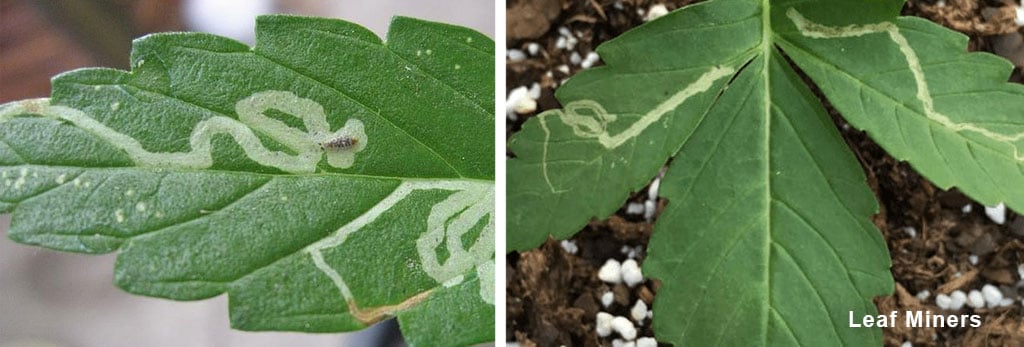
910,85
766,235
768,217
621,121
205,167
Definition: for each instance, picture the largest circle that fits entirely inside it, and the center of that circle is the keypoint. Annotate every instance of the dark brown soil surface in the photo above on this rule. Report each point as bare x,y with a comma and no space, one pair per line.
553,296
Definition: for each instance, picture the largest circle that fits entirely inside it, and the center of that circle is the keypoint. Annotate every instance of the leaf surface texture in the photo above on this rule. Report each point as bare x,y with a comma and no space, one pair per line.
207,167
766,237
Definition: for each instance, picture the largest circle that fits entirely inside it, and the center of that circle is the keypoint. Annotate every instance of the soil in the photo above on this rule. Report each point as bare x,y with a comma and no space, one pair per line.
553,296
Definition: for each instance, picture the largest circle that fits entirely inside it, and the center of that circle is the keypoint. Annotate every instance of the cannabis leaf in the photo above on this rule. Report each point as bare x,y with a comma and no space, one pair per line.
323,179
766,238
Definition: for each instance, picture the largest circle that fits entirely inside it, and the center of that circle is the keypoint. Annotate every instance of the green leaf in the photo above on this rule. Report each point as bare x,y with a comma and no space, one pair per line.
766,237
323,179
916,91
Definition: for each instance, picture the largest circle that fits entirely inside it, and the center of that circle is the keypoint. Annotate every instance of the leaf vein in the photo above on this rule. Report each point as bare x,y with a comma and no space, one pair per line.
21,158
831,247
422,71
785,324
814,289
44,192
366,107
211,213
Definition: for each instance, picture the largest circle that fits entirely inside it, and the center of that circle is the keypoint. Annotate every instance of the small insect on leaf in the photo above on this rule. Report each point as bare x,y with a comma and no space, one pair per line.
340,143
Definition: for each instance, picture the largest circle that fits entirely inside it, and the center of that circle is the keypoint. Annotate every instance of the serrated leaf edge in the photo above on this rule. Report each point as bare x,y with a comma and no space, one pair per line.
307,145
471,202
811,29
594,124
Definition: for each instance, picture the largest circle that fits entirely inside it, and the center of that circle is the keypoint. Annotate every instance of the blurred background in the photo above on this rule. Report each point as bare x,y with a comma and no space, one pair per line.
52,299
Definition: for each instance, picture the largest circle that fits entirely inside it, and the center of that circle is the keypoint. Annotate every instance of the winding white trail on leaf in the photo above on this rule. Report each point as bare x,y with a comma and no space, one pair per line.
447,222
251,118
544,154
588,119
811,29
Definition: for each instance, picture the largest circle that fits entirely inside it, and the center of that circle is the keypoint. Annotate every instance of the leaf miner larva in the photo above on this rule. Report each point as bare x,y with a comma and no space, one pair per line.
341,143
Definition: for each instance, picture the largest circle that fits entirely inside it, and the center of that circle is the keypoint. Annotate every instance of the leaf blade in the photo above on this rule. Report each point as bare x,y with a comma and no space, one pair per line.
204,167
761,173
663,123
753,185
951,143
